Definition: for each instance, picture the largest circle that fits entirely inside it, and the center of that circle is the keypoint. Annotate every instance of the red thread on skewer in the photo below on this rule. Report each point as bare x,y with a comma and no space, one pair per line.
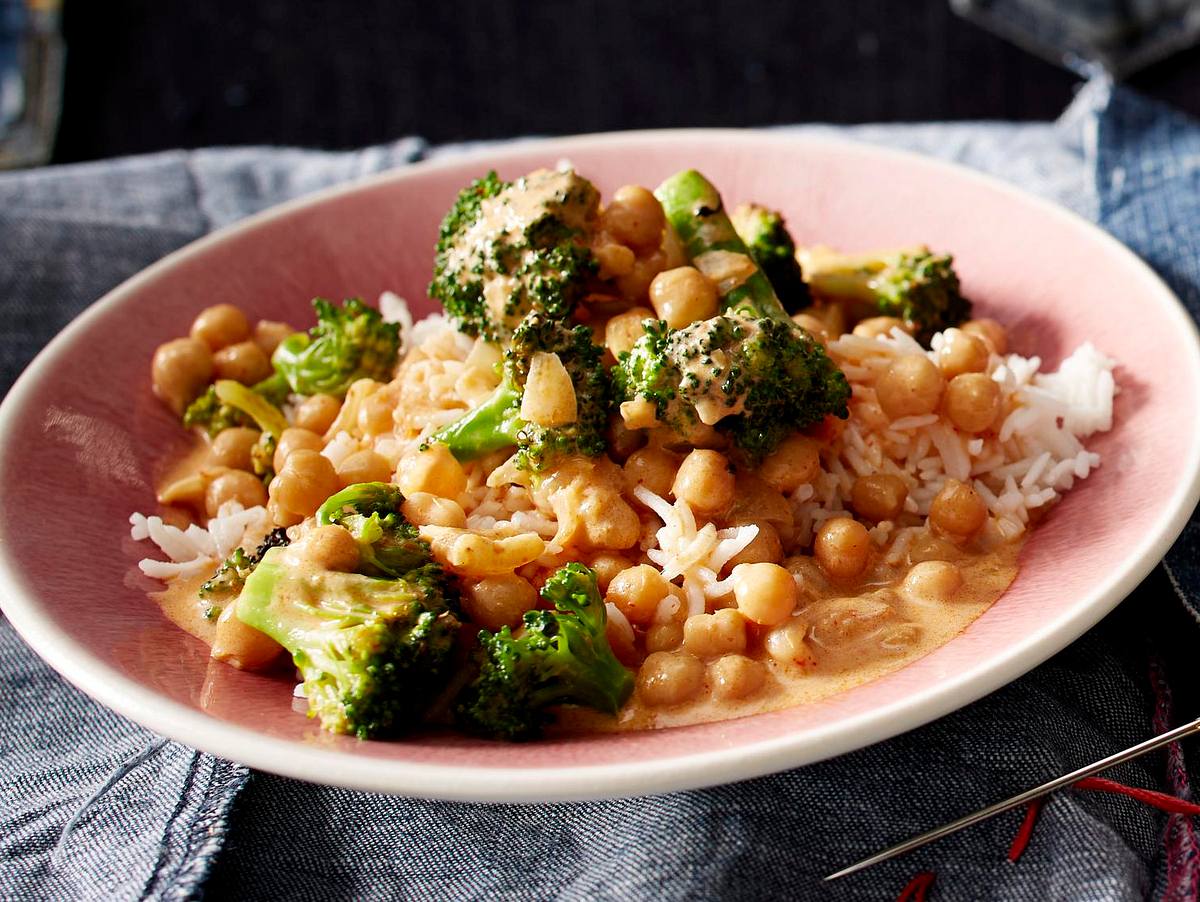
1159,800
915,889
1021,840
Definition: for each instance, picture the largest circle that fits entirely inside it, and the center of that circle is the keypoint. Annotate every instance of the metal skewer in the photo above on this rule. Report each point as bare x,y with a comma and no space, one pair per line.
1018,800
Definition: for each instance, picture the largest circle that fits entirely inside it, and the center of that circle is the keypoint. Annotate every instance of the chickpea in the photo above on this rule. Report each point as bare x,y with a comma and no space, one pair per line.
637,592
957,509
669,678
375,413
736,676
765,593
623,330
606,566
910,387
766,547
234,485
929,546
269,333
231,448
711,635
243,362
613,260
496,601
623,441
652,467
875,326
809,576
364,466
972,402
842,547
663,637
787,644
705,481
221,326
180,371
796,462
330,548
433,470
880,496
813,326
424,509
316,413
683,295
293,440
932,581
302,485
635,284
994,335
635,217
961,352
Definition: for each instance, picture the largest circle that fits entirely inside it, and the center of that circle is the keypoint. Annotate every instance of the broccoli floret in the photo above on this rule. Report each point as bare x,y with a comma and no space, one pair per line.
751,372
373,652
227,403
773,249
388,543
755,380
919,287
227,582
262,456
347,343
508,248
497,422
558,657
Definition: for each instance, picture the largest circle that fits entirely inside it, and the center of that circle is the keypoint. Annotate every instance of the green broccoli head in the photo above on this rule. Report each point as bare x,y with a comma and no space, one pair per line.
227,403
919,287
754,379
558,657
208,412
497,422
347,343
506,249
373,653
388,543
922,289
227,582
772,248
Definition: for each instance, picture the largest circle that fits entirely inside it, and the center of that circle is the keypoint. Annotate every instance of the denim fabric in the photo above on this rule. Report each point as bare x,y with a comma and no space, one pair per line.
93,807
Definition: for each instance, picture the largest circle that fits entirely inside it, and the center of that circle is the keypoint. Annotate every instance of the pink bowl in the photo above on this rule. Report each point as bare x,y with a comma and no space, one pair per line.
96,437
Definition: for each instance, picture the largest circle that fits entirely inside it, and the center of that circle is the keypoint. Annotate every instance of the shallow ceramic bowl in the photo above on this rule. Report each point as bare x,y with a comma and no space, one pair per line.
1055,279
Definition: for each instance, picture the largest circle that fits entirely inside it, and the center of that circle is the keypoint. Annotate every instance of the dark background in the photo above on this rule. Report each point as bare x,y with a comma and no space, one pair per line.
144,76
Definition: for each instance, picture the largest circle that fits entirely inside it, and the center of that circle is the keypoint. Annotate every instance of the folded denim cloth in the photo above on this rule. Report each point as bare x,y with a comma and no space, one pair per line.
94,807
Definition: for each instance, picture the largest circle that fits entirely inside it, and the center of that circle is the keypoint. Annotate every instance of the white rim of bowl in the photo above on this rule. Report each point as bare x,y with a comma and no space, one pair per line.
573,783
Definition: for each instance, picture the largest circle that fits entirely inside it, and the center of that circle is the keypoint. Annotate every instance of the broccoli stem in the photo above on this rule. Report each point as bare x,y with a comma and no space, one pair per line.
693,206
265,415
494,424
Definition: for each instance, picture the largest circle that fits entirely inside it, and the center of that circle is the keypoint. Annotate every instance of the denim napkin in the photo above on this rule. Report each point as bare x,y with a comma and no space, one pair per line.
94,807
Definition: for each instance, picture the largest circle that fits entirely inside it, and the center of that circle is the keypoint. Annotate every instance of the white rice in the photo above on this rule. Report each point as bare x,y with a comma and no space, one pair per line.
394,309
1035,455
196,550
697,554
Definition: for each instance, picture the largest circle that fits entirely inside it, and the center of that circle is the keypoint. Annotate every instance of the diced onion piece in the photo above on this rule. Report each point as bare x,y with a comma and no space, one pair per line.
728,269
549,398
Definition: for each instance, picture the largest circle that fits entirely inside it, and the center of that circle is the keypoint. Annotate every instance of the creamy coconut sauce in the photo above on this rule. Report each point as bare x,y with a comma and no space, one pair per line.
853,639
181,603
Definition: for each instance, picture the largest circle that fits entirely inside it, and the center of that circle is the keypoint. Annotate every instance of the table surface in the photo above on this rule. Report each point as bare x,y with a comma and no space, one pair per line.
147,76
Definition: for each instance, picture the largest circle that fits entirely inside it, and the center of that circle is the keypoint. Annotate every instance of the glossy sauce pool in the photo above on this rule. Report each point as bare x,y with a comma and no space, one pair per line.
836,666
856,635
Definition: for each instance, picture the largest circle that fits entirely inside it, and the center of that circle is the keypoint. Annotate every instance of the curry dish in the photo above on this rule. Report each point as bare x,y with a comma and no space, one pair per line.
652,465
